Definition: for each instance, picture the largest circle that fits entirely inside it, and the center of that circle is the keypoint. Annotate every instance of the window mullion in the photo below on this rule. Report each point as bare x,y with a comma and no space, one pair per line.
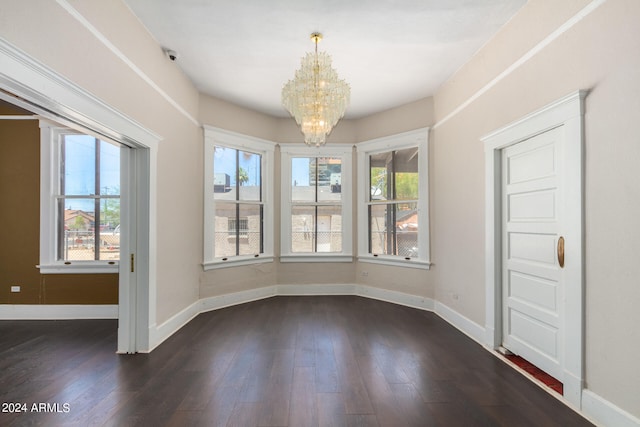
96,216
61,232
237,202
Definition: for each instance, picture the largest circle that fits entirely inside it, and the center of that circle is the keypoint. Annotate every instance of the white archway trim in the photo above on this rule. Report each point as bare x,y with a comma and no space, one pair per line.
29,84
568,113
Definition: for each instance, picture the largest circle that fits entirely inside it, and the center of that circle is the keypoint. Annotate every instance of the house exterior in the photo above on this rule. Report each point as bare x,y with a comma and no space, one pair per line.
78,220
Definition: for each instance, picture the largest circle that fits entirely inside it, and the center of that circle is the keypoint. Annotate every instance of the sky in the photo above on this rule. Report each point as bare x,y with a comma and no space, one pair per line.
79,170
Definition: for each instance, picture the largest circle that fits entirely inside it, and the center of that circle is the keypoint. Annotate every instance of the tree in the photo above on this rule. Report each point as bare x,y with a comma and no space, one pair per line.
110,208
78,223
243,176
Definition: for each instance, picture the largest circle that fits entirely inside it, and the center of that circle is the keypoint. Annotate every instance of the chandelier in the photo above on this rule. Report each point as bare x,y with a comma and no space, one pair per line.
316,97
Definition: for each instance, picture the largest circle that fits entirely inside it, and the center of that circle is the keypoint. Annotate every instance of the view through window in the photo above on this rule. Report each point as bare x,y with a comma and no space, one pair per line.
316,211
393,203
88,199
237,188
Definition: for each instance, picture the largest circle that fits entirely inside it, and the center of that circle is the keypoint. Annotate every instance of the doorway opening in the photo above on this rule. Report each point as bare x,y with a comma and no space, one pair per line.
531,165
32,86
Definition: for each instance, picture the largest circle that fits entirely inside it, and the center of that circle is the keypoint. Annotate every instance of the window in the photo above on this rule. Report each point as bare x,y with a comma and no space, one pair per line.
80,202
316,203
238,217
393,195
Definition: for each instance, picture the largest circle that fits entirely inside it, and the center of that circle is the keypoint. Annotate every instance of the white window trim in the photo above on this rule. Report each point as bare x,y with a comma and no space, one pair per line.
289,151
219,137
49,173
417,138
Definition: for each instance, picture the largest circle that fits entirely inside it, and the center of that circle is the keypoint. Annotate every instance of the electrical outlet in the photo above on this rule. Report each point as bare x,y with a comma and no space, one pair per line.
455,296
365,273
15,288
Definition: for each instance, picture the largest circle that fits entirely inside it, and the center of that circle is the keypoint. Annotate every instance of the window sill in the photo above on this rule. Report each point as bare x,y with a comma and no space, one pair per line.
317,257
395,261
80,267
236,261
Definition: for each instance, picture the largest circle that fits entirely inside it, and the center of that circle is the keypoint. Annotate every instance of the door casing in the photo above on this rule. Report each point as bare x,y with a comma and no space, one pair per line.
566,114
31,85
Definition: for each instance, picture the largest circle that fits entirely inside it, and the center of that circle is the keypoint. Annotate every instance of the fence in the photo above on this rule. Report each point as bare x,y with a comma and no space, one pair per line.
80,245
406,243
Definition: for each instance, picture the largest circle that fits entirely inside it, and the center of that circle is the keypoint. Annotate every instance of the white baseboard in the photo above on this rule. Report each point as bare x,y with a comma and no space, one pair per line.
317,289
159,333
605,413
462,323
57,311
228,300
400,298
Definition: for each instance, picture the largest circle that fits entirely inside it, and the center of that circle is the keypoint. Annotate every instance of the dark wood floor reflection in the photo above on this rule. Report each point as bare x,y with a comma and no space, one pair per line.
284,361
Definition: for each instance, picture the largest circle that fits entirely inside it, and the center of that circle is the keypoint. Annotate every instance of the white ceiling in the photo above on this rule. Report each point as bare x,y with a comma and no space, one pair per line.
391,52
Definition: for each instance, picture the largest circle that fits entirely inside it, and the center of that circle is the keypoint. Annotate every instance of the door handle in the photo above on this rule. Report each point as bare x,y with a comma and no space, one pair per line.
561,251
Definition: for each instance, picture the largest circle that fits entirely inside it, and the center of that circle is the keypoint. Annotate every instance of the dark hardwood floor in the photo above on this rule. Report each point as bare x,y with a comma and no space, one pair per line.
283,361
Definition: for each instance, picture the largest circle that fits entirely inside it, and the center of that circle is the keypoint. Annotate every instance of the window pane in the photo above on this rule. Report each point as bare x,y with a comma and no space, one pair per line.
109,230
250,230
109,168
380,242
249,176
401,238
76,231
238,229
303,229
78,167
316,229
224,173
225,242
379,168
303,178
405,168
329,229
329,179
407,229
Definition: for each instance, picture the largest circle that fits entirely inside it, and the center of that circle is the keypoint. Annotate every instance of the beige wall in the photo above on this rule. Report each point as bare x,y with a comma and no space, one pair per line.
599,53
131,74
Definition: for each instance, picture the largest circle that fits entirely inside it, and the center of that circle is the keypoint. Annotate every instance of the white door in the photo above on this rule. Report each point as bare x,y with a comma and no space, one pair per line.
127,302
532,280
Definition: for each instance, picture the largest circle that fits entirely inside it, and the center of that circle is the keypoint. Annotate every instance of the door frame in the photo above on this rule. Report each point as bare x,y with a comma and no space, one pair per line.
568,113
29,84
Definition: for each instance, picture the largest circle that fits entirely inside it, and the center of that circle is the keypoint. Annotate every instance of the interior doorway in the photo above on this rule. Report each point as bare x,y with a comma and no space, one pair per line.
534,296
30,85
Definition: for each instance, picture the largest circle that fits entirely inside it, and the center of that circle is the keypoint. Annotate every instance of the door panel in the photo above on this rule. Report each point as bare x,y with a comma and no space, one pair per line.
532,283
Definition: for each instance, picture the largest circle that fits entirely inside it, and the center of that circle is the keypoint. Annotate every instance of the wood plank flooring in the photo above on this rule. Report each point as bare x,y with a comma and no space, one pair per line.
283,361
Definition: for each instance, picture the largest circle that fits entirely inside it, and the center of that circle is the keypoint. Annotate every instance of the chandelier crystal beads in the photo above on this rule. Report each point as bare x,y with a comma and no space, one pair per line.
316,97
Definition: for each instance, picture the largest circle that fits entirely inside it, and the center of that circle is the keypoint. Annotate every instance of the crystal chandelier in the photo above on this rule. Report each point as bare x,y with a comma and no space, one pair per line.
316,97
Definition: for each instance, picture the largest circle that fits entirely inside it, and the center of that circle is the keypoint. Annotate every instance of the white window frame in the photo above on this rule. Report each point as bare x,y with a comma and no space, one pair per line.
345,152
413,139
49,181
223,138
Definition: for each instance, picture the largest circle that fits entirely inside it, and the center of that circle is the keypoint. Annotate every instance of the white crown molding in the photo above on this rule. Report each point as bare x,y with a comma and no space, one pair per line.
57,311
117,52
584,12
62,100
